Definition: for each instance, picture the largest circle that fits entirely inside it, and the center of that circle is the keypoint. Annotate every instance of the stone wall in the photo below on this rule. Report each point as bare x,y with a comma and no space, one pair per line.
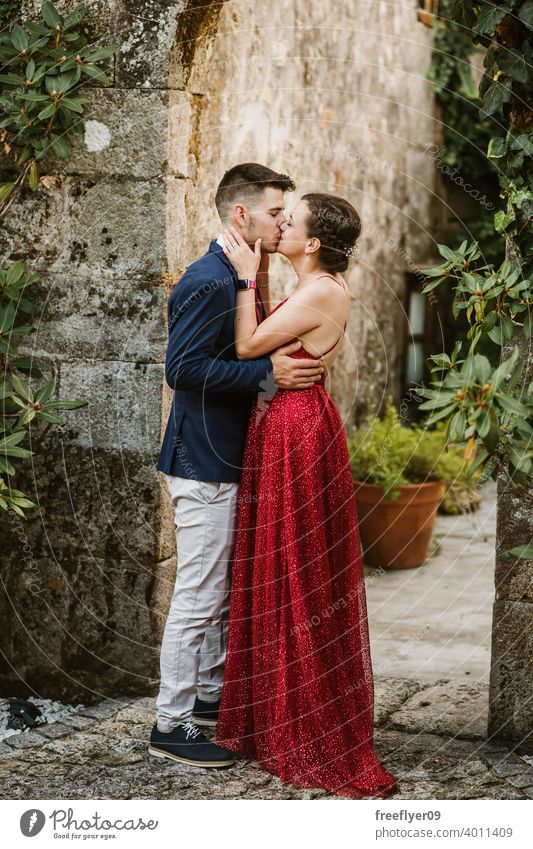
337,97
511,679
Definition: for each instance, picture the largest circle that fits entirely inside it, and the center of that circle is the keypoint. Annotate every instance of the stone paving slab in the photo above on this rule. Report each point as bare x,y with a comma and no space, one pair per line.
449,709
435,621
108,759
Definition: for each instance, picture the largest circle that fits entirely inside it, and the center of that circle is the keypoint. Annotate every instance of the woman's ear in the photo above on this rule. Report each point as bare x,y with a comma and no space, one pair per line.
313,245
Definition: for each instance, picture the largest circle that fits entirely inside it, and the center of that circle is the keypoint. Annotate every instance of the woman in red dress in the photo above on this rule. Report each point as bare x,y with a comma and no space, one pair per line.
298,692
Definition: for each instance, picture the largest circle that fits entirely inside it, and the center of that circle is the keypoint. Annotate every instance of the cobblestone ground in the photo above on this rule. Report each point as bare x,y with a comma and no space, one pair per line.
431,736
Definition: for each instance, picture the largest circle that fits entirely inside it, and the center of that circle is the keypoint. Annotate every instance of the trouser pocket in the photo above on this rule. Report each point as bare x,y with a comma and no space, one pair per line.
208,490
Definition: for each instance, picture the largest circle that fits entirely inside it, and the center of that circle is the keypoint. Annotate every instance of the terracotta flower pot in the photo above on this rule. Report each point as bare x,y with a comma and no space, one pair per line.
396,534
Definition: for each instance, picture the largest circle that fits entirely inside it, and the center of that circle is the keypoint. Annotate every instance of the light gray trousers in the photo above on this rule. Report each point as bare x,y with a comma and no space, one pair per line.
193,650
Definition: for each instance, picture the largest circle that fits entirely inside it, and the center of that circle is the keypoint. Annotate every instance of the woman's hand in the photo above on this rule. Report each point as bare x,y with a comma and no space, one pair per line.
244,260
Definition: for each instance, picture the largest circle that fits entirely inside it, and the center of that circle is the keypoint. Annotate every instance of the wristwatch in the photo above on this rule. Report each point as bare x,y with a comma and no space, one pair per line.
246,283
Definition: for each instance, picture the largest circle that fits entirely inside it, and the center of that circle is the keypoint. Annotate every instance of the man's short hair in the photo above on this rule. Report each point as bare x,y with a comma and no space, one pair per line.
245,183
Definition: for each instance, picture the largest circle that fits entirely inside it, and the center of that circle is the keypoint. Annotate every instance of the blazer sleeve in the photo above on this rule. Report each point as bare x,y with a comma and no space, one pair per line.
195,319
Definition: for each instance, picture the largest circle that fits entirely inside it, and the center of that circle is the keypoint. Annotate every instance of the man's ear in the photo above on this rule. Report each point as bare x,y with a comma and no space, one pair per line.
240,214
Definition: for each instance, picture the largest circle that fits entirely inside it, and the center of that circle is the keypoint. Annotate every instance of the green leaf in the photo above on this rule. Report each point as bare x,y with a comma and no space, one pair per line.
47,112
73,105
50,417
26,416
514,65
490,17
482,368
33,179
523,551
27,365
433,285
497,148
502,220
12,439
7,317
74,18
65,405
99,53
507,328
525,13
458,426
60,147
476,462
19,38
94,72
511,405
46,392
5,191
50,14
447,253
7,467
496,95
21,388
496,334
15,272
441,414
484,424
504,369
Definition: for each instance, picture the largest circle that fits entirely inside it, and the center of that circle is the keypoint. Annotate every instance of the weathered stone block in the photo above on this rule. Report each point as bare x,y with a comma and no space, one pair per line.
93,632
124,412
452,709
104,502
146,30
511,678
90,318
115,227
514,526
125,133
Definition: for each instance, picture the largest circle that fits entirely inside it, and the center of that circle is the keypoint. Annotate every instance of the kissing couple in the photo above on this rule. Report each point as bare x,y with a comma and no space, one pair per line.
267,635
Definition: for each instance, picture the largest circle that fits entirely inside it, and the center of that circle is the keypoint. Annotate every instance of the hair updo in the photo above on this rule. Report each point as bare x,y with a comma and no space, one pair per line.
337,224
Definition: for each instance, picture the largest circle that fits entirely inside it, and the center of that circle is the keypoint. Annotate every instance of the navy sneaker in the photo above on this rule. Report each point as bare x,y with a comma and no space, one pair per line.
205,713
186,744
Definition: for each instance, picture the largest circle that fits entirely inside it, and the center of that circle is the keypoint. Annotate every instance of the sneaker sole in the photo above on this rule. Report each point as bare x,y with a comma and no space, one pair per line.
205,723
158,753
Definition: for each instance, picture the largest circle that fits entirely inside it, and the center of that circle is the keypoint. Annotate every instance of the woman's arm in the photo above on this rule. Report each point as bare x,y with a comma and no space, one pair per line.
303,311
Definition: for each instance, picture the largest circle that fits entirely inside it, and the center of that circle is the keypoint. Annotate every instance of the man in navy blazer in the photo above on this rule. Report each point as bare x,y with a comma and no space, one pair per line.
201,458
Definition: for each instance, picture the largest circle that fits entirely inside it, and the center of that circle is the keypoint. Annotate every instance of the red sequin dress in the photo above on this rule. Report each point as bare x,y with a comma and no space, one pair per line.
298,692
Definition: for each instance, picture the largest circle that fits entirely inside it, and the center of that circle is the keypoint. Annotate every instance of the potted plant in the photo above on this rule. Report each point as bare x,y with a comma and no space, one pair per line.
402,475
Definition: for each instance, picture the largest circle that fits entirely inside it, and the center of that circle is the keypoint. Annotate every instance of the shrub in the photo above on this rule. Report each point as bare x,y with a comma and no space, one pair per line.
387,453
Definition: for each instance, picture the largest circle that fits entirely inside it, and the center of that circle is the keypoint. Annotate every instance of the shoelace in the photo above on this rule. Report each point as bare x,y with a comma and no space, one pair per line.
191,729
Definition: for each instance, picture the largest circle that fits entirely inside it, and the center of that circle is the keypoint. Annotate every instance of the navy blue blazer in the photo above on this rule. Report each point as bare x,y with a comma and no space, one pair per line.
213,391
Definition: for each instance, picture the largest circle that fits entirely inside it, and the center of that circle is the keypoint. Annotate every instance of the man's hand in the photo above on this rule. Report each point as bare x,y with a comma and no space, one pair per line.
290,373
